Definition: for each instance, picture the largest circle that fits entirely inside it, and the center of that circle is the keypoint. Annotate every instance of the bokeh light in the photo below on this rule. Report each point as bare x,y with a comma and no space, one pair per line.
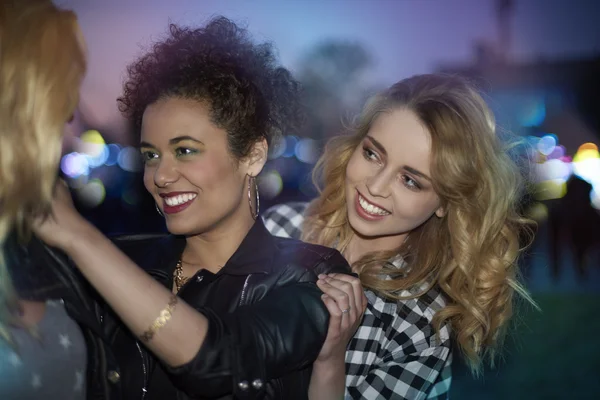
533,112
91,194
547,144
130,159
538,212
93,145
307,151
551,189
74,165
113,154
290,146
277,149
270,184
586,164
553,169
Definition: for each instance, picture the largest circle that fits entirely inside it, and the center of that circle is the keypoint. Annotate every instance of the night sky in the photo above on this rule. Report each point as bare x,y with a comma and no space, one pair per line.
404,37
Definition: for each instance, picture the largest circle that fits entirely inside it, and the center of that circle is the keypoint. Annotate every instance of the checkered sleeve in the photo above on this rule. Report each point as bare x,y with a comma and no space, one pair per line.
285,220
396,354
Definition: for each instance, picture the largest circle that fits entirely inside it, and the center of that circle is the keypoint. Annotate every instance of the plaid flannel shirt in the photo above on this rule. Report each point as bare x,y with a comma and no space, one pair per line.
395,353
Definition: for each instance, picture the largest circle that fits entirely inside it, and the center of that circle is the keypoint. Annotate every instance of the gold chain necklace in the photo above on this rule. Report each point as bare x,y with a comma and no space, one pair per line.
178,276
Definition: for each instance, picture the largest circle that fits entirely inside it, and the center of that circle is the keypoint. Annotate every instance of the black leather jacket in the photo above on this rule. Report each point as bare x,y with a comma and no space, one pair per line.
267,321
42,273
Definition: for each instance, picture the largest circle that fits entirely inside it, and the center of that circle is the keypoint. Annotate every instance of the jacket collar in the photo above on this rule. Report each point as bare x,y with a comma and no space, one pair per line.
254,255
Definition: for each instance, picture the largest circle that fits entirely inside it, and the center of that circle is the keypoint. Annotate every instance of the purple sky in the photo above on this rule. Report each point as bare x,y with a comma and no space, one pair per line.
404,37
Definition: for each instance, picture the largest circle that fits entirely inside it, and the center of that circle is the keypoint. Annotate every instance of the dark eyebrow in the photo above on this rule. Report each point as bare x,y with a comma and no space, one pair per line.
178,139
378,145
416,172
175,140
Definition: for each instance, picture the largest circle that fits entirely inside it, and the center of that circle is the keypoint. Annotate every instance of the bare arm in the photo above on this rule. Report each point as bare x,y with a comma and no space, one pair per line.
136,298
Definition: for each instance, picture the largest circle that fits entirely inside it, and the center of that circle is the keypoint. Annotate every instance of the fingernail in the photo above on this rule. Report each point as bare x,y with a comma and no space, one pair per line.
324,297
322,276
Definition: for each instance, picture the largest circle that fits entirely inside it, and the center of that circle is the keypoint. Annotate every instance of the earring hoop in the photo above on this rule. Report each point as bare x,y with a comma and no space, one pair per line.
255,212
158,210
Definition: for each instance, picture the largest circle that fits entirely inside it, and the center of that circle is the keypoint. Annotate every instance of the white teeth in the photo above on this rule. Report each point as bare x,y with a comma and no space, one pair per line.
180,199
370,208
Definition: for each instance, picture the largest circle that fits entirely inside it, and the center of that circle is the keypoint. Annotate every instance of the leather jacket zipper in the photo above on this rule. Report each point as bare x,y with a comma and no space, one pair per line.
243,296
144,387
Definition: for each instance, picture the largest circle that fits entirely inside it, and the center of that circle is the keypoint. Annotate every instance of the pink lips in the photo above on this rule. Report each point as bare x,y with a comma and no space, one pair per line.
362,213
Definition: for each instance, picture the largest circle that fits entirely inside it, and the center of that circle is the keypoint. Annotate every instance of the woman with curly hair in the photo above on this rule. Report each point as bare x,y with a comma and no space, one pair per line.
421,199
218,308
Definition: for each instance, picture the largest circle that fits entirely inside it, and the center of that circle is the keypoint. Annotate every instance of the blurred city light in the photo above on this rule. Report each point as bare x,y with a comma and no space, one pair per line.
547,144
91,194
93,146
270,184
551,189
290,146
130,160
554,168
307,151
538,212
586,164
113,154
74,165
534,112
277,149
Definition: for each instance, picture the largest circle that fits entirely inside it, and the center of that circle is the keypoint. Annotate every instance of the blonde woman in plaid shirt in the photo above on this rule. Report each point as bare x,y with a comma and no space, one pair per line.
421,198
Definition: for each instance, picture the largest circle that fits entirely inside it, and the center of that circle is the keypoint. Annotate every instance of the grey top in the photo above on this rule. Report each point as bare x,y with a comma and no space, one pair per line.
51,366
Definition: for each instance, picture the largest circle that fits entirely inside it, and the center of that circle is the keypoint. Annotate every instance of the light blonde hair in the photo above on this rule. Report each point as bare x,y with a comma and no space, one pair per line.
471,252
42,63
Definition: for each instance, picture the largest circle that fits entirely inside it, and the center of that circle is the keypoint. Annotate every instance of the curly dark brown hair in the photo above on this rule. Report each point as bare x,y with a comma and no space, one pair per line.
250,95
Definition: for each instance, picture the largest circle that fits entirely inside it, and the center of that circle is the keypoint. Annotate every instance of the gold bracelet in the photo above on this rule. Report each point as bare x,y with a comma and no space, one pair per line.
163,318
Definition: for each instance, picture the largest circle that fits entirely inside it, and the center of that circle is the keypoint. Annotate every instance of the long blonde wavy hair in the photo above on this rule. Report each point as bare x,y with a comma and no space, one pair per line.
471,252
42,63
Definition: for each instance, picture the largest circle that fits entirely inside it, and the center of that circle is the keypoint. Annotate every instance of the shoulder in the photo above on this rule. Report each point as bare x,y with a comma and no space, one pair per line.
409,318
285,220
143,241
310,259
150,250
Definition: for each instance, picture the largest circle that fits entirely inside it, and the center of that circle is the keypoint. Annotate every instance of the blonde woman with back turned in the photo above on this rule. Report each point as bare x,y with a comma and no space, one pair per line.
45,316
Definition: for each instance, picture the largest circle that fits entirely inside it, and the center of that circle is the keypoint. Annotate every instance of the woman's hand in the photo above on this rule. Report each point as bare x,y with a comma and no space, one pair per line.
346,302
64,226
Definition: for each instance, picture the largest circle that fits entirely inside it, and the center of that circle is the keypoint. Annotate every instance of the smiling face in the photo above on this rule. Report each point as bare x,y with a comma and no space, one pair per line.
388,186
189,170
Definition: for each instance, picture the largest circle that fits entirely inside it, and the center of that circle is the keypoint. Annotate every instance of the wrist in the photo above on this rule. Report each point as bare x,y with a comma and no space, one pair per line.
78,240
328,379
332,366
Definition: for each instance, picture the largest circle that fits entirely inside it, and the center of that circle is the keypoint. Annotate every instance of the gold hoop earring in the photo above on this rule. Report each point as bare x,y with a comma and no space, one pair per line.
253,213
158,210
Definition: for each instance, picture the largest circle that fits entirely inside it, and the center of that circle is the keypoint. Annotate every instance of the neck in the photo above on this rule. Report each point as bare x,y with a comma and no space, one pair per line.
212,249
361,245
